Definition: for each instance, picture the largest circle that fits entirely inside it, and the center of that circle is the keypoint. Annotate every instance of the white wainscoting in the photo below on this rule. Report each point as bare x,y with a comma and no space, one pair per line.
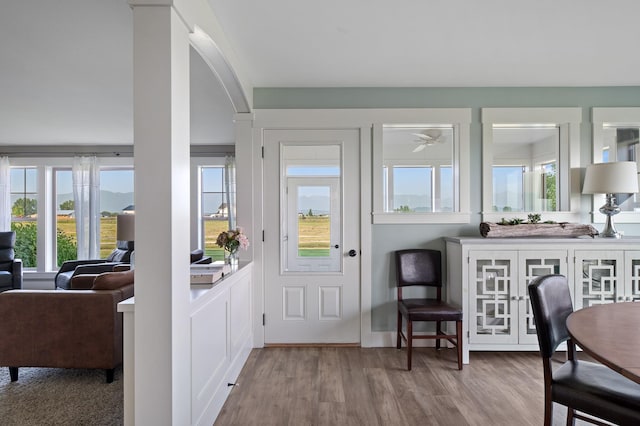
221,340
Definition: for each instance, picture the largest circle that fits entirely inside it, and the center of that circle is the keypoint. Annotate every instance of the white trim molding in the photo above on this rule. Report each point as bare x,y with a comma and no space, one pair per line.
568,121
616,117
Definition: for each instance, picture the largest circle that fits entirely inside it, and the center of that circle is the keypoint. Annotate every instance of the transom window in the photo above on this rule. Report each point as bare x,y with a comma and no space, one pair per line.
421,169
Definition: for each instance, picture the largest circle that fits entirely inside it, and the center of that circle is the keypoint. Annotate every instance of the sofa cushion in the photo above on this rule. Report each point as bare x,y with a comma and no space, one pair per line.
6,279
119,255
113,280
7,239
5,266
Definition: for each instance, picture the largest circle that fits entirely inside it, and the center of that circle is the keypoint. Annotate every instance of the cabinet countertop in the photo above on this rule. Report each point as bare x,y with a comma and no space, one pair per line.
544,240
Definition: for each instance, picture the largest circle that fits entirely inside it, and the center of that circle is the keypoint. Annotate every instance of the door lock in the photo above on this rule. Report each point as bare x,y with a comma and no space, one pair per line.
352,253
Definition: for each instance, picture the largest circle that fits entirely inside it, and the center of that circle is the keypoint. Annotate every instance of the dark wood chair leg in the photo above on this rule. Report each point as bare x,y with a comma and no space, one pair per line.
570,419
110,373
409,342
438,331
13,373
548,408
459,343
399,338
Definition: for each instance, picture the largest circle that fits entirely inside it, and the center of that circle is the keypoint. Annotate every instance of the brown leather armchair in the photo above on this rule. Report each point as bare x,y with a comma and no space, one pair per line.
71,268
65,329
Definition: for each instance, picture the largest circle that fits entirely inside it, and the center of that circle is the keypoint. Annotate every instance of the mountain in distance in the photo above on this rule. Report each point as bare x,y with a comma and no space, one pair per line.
112,202
318,204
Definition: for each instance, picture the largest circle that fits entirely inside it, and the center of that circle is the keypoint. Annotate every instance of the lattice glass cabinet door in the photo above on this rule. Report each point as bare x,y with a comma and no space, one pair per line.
493,297
632,275
534,264
598,278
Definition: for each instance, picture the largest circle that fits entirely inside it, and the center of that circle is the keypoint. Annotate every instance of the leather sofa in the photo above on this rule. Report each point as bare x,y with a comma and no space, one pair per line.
71,268
65,329
10,267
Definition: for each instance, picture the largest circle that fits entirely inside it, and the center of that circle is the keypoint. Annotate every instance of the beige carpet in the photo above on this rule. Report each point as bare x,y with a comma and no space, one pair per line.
55,396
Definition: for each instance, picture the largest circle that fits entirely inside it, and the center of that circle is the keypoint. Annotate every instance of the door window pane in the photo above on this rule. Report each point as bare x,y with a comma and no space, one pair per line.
311,233
314,221
24,213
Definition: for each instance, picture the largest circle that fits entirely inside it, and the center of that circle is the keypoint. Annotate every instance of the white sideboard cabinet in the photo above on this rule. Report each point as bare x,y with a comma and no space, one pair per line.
488,277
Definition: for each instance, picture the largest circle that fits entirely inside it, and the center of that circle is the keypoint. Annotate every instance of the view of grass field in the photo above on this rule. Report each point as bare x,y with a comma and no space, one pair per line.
313,232
107,232
313,235
212,228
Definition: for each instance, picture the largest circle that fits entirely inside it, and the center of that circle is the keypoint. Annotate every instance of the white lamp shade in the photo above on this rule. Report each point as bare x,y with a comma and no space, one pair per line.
611,178
125,227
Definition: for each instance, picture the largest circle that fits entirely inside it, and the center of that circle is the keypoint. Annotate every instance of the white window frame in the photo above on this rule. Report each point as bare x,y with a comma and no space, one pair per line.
46,222
197,227
568,182
460,120
618,117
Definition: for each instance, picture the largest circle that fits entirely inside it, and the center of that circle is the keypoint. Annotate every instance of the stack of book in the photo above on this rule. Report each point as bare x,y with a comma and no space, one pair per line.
209,273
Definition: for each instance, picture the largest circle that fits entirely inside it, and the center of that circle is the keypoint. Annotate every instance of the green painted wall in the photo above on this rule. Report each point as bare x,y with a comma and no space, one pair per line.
387,238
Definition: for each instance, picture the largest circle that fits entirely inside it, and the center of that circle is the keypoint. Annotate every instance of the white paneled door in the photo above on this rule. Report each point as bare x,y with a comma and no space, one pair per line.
312,236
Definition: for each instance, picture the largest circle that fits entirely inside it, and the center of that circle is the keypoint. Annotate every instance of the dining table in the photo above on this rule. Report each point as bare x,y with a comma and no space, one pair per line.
610,333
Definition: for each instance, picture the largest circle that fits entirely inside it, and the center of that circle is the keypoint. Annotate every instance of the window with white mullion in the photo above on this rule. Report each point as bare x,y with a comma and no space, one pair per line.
432,144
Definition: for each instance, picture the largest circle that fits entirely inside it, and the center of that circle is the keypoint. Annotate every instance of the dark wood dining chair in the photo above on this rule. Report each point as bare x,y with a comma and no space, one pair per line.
583,387
421,267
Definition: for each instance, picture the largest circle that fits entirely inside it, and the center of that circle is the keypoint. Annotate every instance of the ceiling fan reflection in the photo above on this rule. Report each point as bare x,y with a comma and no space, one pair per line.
427,138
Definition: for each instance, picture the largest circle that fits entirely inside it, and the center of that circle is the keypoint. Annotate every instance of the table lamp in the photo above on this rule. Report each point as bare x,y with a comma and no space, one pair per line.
611,178
125,230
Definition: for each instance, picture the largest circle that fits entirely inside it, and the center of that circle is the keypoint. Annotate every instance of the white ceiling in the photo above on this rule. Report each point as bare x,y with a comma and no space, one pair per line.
66,77
66,65
435,43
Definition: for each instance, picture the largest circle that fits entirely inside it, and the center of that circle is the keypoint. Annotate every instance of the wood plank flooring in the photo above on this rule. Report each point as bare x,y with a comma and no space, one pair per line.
358,386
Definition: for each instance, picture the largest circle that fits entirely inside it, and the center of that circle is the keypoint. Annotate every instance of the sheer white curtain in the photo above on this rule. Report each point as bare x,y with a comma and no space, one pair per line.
86,197
230,188
5,194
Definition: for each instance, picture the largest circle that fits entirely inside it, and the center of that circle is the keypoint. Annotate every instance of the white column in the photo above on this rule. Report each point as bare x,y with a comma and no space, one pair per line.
248,162
161,158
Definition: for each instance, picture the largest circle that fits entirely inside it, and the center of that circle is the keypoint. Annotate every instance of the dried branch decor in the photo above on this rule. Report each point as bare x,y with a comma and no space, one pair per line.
520,228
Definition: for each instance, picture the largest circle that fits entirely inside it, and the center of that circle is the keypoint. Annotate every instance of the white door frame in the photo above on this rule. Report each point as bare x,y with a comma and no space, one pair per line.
311,119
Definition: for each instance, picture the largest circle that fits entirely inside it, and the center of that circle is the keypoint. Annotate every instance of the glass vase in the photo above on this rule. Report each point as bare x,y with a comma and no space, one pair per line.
231,258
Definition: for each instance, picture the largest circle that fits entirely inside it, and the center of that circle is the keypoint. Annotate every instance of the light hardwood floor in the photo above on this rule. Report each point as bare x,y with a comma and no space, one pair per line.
357,386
